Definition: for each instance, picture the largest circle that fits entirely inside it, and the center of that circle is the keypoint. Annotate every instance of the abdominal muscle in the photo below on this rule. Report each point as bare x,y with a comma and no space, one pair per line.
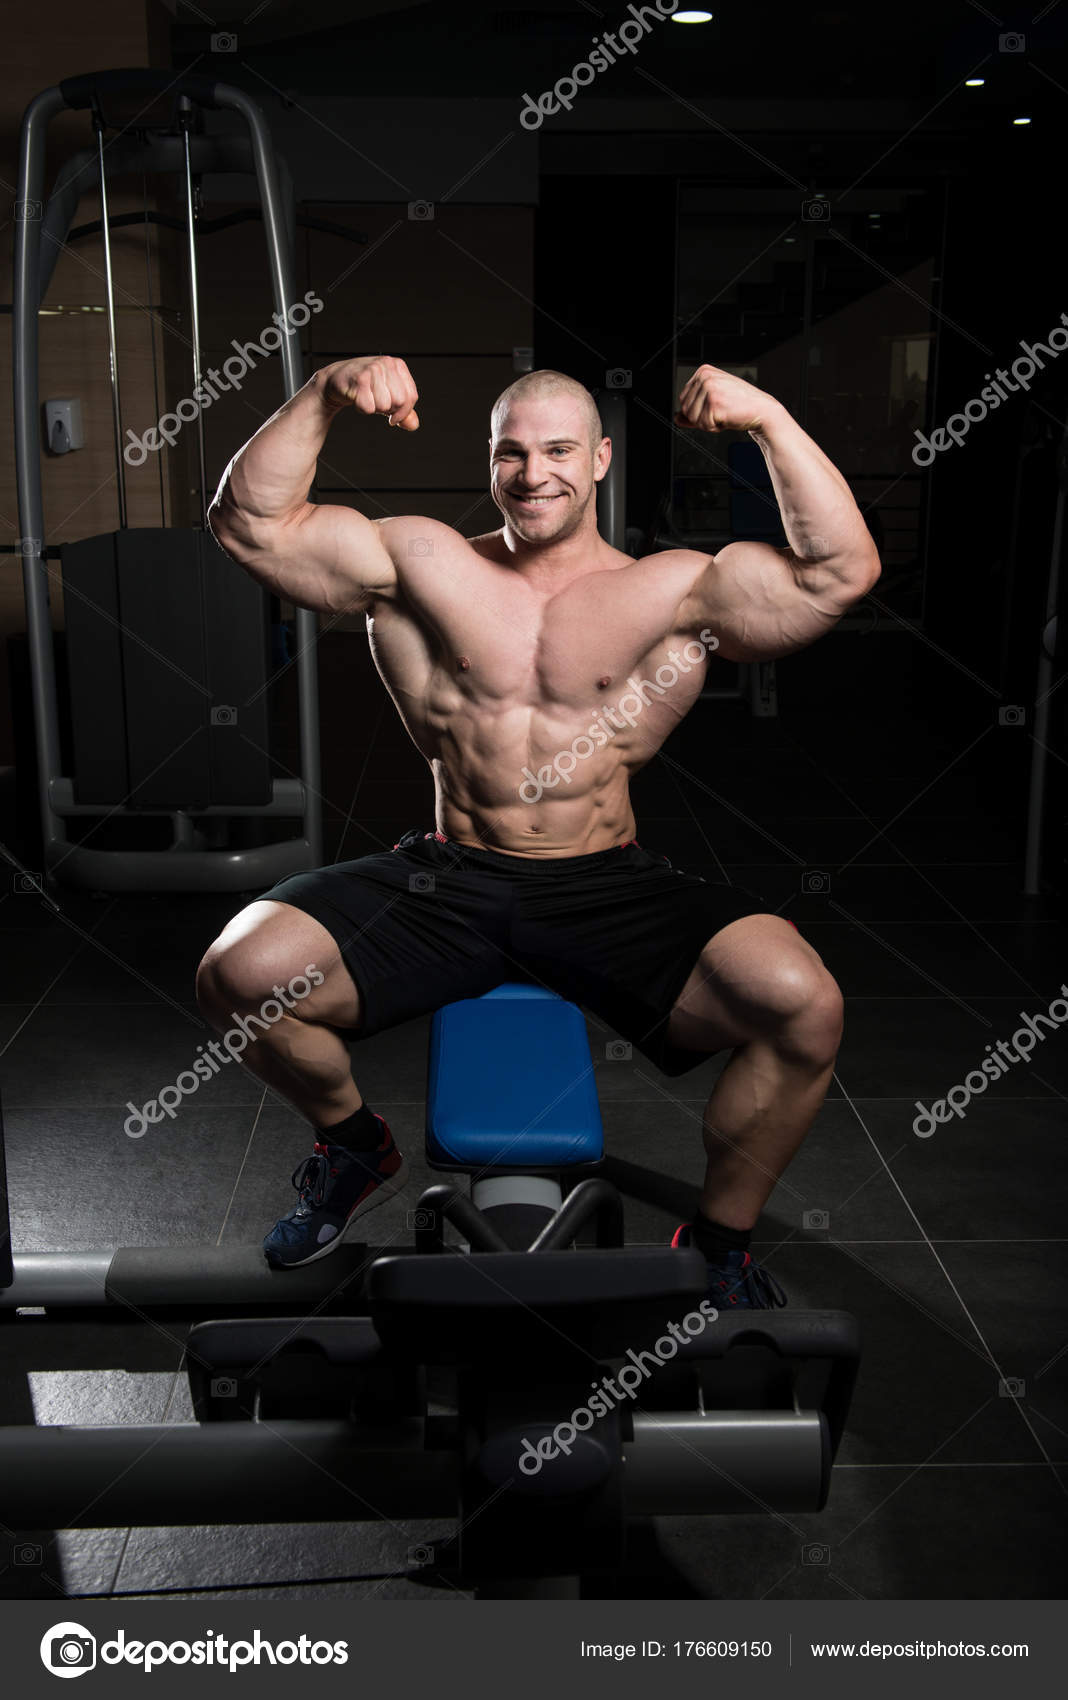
516,782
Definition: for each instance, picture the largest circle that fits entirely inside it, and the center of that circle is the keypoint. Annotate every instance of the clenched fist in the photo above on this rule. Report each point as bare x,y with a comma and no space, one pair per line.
718,401
372,383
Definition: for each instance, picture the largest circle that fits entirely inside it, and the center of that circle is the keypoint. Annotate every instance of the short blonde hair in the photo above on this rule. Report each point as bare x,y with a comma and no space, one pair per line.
532,386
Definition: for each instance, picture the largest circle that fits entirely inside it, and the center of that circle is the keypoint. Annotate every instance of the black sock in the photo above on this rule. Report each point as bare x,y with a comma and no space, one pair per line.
358,1132
713,1240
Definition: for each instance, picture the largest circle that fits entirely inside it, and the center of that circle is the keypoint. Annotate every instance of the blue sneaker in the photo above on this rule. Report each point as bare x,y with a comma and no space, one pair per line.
334,1187
736,1282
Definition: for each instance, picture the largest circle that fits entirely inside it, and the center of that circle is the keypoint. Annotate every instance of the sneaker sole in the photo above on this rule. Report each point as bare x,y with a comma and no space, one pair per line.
386,1190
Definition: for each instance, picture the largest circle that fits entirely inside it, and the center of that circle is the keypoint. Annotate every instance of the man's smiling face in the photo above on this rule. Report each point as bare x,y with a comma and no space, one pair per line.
545,466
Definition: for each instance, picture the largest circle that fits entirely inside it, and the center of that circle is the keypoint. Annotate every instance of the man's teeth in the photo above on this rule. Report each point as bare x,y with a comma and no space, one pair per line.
529,500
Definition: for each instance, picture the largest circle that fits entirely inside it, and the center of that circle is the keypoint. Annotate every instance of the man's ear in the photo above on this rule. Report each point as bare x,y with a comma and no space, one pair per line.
603,449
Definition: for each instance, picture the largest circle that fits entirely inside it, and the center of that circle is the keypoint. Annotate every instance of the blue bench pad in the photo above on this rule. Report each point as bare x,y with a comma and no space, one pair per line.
511,1083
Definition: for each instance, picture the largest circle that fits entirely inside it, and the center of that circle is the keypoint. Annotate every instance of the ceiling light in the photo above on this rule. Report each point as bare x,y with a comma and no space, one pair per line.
691,17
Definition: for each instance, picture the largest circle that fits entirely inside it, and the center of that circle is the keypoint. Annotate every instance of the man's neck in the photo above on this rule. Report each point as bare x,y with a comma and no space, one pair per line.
556,563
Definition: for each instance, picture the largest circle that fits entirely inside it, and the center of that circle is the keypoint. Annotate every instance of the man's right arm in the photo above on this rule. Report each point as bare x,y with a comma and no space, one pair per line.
319,556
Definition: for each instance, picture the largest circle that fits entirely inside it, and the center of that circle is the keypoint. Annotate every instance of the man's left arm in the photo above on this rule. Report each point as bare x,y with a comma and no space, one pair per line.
760,601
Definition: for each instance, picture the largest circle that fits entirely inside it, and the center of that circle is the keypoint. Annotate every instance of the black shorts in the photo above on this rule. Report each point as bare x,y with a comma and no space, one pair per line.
432,921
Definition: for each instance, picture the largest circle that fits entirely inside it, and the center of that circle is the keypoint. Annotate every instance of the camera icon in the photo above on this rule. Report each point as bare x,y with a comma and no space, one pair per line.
816,1221
224,1387
617,378
815,1553
420,1220
28,209
816,211
224,42
27,883
224,715
29,545
420,546
420,1555
421,212
1011,1387
421,882
69,1650
617,1050
815,883
1012,715
28,1554
1012,42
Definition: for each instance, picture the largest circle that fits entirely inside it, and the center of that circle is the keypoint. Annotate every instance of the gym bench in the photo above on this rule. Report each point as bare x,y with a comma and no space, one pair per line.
451,1393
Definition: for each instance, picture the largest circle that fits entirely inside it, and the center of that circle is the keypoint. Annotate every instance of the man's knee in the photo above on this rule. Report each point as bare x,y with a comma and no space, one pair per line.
238,975
785,994
230,980
263,970
812,1021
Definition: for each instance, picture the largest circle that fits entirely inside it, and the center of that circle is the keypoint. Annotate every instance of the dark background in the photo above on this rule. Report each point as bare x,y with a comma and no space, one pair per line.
658,224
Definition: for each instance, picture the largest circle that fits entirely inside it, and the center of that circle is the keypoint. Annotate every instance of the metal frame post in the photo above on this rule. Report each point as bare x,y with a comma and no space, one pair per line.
120,870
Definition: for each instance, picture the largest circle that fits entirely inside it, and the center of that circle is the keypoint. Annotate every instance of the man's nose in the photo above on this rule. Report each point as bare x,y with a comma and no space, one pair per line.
535,471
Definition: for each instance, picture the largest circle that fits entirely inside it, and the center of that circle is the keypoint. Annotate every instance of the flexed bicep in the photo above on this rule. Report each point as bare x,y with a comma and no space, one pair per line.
761,602
321,556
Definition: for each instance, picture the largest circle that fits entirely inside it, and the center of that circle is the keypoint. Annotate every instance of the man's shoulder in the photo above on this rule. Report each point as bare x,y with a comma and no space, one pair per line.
489,544
680,558
679,569
410,537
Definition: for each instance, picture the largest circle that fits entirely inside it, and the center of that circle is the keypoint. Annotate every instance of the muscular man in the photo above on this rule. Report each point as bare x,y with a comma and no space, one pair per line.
537,668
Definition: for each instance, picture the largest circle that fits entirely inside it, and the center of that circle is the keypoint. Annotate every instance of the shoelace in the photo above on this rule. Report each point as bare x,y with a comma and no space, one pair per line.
310,1177
765,1286
764,1291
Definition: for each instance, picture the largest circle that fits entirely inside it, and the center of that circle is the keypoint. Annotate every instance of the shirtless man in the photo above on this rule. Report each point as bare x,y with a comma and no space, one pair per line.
503,653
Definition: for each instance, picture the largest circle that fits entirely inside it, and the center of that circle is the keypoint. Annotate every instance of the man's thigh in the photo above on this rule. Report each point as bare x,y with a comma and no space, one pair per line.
623,938
413,928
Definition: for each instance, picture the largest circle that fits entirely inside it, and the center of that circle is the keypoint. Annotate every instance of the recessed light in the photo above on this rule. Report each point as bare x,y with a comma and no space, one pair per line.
975,83
691,17
1021,120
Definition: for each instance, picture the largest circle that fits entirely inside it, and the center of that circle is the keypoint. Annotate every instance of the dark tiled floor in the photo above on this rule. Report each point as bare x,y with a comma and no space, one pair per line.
901,866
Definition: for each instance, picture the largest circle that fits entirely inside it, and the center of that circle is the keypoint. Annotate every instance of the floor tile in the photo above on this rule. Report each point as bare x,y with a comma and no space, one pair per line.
916,1048
206,1558
109,1054
78,1182
888,1534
